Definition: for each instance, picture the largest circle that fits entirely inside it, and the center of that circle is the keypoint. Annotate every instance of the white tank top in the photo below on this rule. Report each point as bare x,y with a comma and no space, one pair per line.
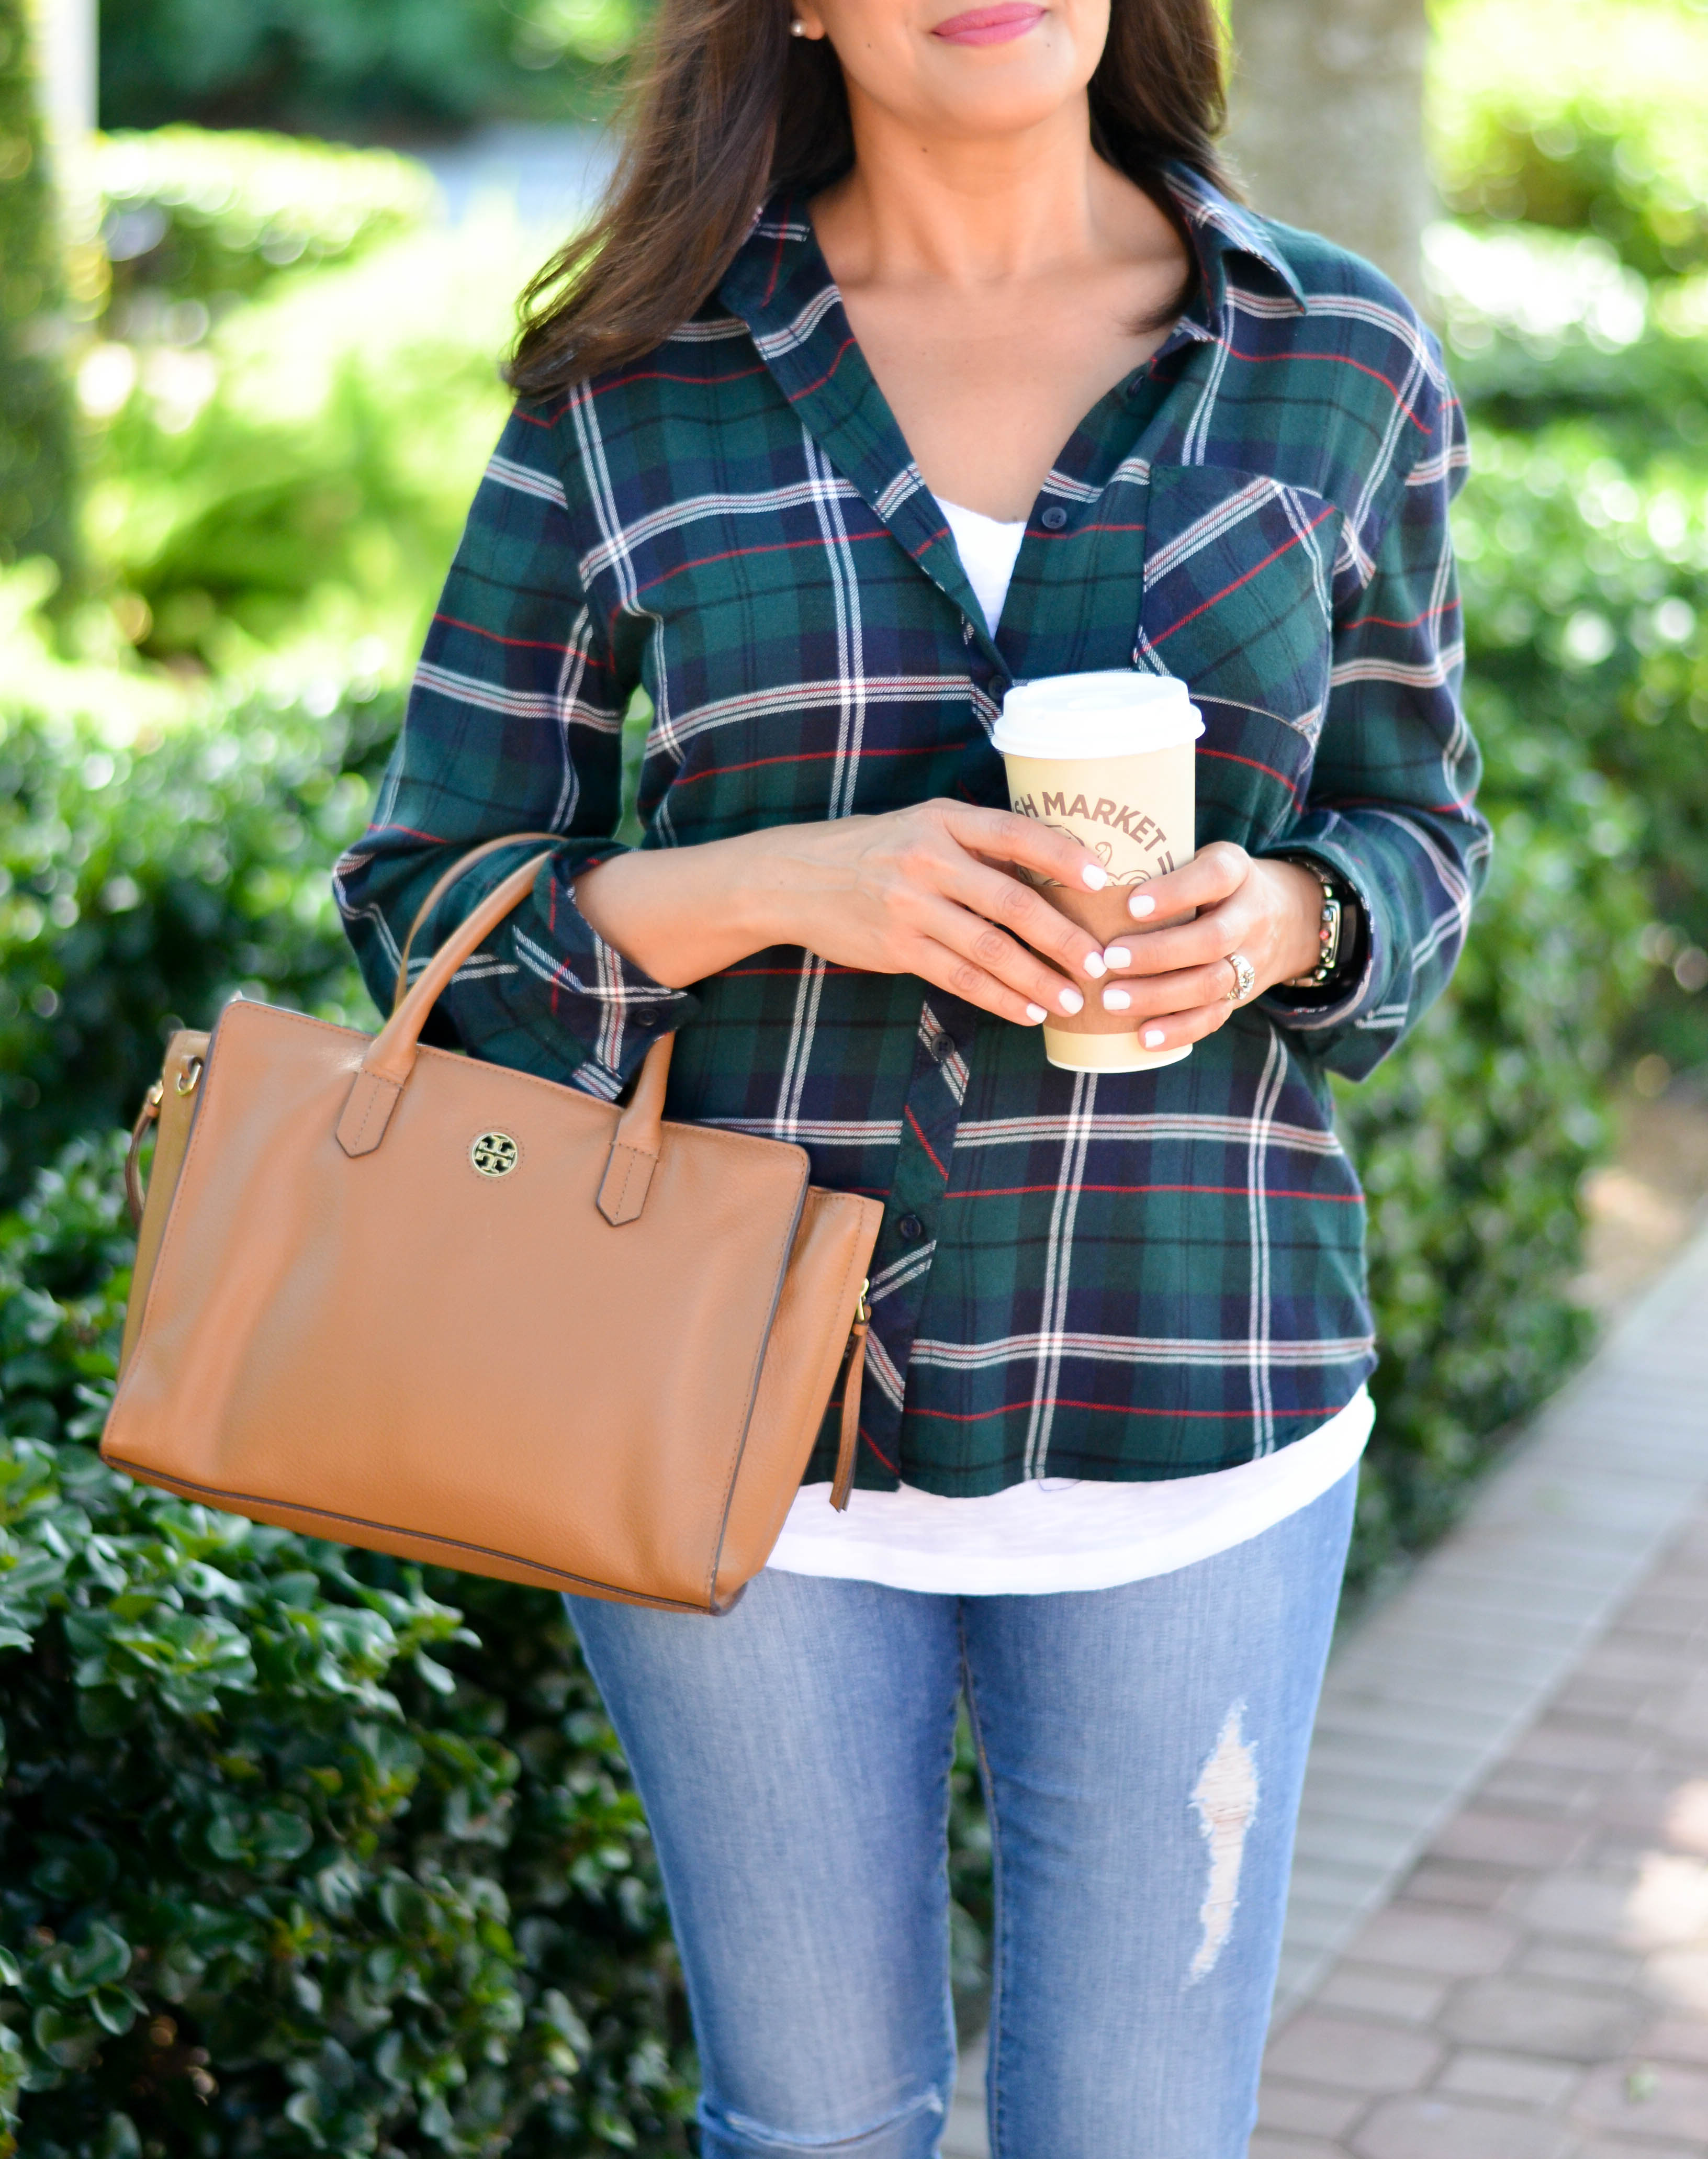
1057,1533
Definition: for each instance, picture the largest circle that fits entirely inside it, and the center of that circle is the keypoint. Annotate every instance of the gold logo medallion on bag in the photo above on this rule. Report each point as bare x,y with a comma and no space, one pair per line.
495,1154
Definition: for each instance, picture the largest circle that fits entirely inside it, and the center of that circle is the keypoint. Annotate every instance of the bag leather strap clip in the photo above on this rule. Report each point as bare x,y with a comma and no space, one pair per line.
634,1151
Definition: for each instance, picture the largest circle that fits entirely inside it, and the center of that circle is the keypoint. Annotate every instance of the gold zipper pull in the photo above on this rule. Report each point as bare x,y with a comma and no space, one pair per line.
848,1445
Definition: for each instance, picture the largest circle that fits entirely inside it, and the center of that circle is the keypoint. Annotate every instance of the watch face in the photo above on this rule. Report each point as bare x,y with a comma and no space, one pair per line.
1331,937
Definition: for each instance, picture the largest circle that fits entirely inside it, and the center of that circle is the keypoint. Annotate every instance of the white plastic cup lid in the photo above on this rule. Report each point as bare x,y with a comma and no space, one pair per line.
1116,713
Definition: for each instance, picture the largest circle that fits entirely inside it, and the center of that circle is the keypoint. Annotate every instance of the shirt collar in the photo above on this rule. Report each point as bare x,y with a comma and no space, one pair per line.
780,287
780,245
1220,227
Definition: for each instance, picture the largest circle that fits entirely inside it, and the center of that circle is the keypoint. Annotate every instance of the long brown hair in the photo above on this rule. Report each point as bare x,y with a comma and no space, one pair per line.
727,109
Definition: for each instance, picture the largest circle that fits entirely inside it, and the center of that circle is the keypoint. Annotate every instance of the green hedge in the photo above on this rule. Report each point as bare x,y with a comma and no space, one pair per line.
1584,550
1473,1141
1588,586
298,1851
1570,136
221,819
154,861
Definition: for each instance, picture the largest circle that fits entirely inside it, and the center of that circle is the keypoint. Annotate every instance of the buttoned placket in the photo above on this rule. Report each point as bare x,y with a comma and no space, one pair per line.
914,1213
843,409
947,1030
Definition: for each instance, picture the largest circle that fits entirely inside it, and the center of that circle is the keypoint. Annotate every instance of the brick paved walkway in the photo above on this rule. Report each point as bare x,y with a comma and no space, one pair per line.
1498,1938
1539,1987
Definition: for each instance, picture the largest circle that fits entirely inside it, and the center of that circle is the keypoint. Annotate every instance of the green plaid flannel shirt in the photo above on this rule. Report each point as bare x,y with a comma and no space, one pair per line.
1118,1276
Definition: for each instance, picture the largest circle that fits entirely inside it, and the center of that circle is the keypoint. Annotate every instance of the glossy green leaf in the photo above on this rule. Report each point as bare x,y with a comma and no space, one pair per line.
70,2040
114,2008
100,1958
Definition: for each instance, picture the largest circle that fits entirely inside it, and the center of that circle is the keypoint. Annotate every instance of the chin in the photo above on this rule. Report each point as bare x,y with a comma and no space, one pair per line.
990,108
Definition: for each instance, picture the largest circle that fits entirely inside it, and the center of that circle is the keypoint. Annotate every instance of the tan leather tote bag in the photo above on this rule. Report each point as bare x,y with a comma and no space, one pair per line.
402,1298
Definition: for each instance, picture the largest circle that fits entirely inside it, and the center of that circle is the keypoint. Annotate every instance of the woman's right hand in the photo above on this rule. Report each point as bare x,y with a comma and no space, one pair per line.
923,891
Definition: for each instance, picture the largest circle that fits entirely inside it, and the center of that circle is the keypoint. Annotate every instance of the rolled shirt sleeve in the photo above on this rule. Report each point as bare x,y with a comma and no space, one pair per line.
1391,805
514,725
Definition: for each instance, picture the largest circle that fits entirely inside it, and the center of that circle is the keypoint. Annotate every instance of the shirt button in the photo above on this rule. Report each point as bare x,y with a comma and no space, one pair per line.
910,1229
1054,518
942,1048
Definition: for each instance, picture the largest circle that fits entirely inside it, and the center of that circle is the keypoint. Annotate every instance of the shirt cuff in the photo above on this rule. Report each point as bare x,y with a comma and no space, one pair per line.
551,996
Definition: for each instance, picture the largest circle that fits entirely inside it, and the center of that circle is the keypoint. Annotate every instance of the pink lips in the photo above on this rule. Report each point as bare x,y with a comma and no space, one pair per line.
990,26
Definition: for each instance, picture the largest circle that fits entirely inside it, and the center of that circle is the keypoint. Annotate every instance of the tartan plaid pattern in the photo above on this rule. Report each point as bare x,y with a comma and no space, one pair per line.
1121,1276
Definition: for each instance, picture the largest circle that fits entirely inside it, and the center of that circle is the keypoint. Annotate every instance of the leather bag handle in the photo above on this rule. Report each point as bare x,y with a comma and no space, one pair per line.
135,1192
391,1059
385,1070
454,875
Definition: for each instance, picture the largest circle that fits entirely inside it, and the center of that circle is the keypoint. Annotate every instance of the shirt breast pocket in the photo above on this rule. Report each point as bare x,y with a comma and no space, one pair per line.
1239,603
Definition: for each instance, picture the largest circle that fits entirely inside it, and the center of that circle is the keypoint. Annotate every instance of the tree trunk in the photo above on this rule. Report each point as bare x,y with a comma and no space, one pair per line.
38,441
1327,122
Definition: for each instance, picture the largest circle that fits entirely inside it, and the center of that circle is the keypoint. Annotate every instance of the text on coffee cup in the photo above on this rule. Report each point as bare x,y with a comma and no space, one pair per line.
1060,810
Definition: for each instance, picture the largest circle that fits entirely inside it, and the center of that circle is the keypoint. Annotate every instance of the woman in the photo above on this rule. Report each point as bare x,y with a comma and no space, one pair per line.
921,350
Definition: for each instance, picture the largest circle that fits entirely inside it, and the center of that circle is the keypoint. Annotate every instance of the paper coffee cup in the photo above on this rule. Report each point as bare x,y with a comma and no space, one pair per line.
1108,757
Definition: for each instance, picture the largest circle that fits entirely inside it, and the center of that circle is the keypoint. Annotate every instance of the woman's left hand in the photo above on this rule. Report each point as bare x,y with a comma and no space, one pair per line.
1178,983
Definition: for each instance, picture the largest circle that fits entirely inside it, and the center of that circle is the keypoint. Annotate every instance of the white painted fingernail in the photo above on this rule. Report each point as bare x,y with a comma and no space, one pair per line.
1035,1013
1072,1000
1116,1000
1095,965
1096,876
1117,955
1142,903
1154,1037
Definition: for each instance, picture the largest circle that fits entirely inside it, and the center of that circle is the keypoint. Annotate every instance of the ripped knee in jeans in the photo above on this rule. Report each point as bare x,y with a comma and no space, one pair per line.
1225,1800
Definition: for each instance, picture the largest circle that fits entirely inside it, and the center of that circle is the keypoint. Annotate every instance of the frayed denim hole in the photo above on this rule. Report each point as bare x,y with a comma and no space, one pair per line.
1226,1801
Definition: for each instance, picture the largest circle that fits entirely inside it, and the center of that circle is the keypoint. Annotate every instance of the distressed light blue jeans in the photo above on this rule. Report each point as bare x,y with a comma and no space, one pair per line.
1143,1751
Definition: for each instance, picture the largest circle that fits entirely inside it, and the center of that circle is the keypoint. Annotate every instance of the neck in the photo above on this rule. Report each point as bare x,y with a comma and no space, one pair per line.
978,212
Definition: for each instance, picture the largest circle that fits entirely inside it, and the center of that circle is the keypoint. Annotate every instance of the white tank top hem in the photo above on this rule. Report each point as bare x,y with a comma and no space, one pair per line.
1054,1534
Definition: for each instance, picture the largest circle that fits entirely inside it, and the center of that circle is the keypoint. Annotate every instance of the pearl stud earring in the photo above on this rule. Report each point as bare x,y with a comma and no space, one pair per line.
797,28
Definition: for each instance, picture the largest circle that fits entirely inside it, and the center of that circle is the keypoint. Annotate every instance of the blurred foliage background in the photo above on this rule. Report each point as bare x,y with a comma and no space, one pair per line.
36,420
381,70
301,1851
